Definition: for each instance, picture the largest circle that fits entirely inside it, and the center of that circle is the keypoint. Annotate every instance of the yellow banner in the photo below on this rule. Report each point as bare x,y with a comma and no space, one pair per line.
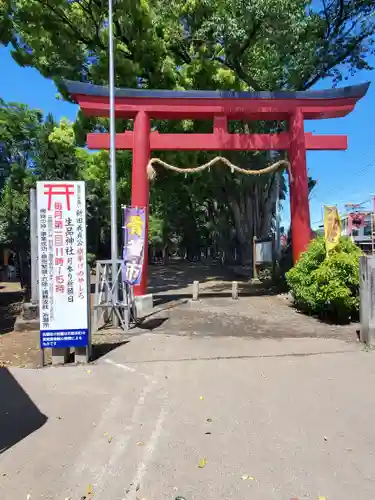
332,227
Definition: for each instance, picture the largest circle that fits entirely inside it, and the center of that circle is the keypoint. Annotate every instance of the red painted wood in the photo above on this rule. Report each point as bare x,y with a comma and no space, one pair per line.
220,110
326,142
299,195
255,109
220,140
140,188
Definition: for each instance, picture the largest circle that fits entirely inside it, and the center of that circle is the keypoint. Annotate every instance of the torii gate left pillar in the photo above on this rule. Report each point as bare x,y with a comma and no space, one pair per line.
293,107
140,183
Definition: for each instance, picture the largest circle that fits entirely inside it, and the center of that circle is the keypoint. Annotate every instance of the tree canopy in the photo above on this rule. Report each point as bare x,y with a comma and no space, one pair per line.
259,44
183,44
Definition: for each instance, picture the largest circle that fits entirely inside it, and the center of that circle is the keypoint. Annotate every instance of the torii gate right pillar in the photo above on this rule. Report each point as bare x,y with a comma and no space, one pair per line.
299,191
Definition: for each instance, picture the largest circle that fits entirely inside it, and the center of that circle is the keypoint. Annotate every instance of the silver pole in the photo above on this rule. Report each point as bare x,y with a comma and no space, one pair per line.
112,132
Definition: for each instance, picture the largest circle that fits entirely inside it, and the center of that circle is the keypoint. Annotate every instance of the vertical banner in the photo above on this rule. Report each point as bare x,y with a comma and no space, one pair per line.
134,243
63,300
332,227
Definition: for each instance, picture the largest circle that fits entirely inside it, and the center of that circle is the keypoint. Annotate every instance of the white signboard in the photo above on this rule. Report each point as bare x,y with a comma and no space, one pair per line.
264,252
63,300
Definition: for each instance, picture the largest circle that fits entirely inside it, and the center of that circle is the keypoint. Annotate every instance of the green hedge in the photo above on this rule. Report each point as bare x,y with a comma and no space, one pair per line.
327,286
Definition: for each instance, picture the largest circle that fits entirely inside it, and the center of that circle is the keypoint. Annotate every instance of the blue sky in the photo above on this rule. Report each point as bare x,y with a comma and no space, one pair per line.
343,176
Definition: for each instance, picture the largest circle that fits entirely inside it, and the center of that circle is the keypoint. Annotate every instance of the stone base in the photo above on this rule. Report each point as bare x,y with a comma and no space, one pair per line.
144,305
28,319
30,311
60,355
23,325
81,355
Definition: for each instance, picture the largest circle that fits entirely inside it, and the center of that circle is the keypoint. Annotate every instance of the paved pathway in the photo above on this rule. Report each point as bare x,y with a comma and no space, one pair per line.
273,418
294,414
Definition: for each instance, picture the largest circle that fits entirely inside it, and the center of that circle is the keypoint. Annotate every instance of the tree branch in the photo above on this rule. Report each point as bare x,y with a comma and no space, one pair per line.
67,22
246,43
340,59
237,68
339,19
89,11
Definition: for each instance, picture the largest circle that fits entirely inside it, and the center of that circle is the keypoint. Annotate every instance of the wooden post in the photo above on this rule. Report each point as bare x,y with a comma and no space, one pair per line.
274,256
83,354
196,290
367,299
60,355
255,272
235,290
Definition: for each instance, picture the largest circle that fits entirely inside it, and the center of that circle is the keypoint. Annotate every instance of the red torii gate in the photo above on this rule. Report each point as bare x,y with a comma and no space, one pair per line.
219,106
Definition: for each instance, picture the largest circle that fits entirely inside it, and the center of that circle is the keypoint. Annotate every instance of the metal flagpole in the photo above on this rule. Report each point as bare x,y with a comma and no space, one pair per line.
112,132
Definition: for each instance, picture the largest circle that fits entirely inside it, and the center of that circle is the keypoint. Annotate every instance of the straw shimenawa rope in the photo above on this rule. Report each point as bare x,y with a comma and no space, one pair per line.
151,172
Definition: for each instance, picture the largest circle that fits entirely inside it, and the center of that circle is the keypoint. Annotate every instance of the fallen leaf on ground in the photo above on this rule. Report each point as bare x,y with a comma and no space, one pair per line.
139,443
207,433
89,489
88,371
202,463
209,420
322,498
325,438
245,477
108,436
201,398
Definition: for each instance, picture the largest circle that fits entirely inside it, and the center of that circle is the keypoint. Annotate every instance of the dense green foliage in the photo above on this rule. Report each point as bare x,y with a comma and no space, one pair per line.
327,286
174,44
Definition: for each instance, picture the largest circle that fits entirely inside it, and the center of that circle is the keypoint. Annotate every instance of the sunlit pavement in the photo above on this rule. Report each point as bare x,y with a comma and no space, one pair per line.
272,419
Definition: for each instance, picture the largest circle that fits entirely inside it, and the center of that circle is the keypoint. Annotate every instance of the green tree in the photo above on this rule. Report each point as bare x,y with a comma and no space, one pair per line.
15,220
19,135
187,44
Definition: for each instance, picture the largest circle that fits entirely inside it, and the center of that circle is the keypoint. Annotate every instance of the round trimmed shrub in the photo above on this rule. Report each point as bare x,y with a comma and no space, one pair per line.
327,287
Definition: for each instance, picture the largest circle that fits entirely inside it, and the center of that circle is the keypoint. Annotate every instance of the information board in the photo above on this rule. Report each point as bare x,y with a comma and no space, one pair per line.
264,252
63,300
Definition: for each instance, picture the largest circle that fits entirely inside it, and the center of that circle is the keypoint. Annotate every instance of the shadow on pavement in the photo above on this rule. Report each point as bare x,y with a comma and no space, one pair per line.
19,416
180,274
151,324
99,350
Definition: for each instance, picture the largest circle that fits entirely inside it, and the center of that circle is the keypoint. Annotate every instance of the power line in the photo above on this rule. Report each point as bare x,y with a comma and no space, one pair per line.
358,173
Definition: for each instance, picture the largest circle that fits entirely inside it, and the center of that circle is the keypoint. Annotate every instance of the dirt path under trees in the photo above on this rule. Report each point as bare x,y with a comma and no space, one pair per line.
261,312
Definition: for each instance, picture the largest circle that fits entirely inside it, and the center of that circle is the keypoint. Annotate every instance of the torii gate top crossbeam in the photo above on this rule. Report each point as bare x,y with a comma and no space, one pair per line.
197,104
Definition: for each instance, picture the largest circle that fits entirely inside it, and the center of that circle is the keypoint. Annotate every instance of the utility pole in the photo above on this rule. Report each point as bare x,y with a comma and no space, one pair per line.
372,215
112,161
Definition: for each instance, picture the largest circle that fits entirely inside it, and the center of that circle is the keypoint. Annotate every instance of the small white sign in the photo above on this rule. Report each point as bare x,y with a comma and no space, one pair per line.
63,300
264,252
